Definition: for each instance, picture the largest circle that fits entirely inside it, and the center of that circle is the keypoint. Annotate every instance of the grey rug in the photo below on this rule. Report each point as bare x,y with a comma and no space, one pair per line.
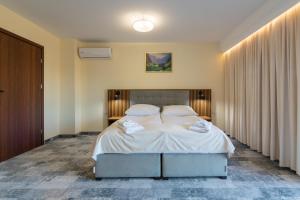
62,169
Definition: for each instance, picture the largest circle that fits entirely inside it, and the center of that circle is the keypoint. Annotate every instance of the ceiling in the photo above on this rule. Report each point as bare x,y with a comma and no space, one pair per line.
111,20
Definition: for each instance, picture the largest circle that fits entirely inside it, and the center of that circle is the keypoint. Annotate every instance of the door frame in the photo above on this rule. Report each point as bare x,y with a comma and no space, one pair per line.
2,30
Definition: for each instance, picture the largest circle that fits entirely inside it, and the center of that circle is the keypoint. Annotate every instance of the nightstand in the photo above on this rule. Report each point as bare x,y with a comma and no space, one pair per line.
113,119
207,118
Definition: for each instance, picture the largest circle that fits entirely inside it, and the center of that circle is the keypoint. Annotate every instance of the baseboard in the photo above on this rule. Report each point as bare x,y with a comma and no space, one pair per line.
67,135
51,139
71,135
90,133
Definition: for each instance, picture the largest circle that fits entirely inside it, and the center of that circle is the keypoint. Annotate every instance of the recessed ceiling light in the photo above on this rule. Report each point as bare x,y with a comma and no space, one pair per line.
143,25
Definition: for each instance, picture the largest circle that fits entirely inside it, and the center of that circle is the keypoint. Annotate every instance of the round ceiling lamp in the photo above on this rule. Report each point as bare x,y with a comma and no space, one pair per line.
143,25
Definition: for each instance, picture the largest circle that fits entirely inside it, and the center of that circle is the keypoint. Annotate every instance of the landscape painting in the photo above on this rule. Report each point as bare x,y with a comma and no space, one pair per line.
158,62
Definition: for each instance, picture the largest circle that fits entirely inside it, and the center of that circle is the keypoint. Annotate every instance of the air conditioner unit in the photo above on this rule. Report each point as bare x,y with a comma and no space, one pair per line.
95,52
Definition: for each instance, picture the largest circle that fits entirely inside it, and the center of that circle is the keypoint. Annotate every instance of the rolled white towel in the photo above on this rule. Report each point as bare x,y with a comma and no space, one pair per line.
199,129
201,126
128,123
132,129
202,123
130,126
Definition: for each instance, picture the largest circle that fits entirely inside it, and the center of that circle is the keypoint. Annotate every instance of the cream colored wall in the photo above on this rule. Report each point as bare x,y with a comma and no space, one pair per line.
75,89
78,91
70,114
23,27
194,66
67,92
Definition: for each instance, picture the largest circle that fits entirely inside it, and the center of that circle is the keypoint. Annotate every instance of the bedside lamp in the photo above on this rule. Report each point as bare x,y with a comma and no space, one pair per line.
201,95
117,95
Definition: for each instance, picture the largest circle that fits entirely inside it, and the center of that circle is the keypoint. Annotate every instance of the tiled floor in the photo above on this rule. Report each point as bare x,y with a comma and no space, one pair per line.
62,169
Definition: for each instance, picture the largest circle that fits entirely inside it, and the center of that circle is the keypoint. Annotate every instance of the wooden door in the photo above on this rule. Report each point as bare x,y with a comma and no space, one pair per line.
21,95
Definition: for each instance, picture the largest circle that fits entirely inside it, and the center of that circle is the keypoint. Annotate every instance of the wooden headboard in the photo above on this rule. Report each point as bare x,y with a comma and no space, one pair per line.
117,107
119,100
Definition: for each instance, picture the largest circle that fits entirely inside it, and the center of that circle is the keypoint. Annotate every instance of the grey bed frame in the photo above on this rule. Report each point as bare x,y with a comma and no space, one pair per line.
161,165
164,165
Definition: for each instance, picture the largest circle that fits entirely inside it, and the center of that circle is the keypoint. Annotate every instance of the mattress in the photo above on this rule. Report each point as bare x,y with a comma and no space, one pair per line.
162,134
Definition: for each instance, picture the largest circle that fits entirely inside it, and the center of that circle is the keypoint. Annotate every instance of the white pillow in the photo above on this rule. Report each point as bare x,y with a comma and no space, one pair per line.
179,110
142,110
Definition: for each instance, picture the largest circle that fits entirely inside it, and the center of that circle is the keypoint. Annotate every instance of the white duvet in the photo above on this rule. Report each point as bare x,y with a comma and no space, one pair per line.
162,134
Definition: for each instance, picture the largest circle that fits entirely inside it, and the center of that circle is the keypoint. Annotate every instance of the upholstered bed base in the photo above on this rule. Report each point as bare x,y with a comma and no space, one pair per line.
128,165
161,165
194,165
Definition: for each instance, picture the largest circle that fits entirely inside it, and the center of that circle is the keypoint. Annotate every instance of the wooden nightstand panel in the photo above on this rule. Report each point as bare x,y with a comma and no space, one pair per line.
117,107
201,106
207,118
113,119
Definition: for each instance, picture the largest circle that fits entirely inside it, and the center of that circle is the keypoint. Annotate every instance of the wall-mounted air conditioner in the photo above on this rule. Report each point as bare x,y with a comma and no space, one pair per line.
94,52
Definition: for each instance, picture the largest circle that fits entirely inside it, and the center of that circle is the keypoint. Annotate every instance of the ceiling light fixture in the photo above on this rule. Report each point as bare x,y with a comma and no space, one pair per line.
143,25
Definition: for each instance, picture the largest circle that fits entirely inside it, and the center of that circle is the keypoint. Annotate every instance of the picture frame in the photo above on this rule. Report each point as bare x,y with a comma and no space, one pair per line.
158,62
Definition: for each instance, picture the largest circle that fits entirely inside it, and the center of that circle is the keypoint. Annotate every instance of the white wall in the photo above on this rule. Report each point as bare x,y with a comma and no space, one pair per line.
194,66
25,28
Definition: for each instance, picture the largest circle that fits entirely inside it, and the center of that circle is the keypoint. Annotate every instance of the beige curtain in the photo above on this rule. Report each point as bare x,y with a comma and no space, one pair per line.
262,90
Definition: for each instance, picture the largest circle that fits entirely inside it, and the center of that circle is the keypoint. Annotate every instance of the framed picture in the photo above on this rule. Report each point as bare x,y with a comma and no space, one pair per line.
158,62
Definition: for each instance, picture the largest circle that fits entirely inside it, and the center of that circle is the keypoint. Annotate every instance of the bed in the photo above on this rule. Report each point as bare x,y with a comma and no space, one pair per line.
165,148
200,154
